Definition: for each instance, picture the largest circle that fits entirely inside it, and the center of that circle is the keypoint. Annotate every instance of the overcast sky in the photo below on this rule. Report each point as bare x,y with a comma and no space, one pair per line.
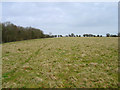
64,17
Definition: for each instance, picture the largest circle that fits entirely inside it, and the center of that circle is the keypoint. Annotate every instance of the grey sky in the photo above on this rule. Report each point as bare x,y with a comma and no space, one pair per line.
64,17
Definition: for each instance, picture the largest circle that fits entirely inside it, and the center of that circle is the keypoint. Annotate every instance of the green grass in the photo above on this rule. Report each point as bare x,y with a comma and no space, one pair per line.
61,63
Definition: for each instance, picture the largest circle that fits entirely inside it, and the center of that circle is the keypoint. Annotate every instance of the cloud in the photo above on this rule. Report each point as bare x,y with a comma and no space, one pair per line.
64,18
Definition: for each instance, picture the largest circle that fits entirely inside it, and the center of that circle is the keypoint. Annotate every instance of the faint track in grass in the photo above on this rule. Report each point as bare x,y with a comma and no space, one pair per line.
21,64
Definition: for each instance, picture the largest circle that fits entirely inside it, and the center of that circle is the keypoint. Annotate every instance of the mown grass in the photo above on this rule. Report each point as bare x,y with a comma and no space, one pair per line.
61,63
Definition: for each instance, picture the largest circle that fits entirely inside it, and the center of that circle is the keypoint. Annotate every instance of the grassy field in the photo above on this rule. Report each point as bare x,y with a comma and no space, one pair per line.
61,63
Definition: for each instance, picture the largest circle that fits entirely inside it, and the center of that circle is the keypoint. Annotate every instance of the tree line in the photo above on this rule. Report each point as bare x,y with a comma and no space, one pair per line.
11,32
88,35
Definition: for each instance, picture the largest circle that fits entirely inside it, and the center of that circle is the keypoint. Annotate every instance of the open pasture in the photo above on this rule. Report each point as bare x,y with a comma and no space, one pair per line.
68,62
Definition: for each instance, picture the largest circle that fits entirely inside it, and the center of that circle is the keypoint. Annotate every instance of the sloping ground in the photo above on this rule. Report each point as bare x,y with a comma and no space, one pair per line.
60,63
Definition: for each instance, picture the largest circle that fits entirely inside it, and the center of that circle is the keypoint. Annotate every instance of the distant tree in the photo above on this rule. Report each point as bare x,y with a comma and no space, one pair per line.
61,36
72,35
84,35
107,35
76,35
69,35
79,35
94,36
90,35
55,35
87,35
66,35
98,35
113,35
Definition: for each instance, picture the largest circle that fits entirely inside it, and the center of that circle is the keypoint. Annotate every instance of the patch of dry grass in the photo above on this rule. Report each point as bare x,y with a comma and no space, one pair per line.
61,63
